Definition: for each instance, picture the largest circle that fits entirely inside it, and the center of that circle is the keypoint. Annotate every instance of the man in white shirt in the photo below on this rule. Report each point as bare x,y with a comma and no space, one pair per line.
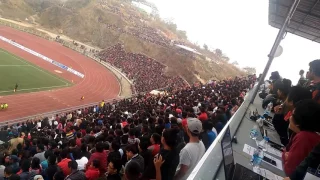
191,154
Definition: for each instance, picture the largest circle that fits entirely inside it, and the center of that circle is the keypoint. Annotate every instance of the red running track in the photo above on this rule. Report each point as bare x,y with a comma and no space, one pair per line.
98,83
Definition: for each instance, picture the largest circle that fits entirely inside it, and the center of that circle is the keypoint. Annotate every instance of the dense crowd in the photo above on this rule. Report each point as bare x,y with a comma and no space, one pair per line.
144,33
139,27
143,137
146,73
296,120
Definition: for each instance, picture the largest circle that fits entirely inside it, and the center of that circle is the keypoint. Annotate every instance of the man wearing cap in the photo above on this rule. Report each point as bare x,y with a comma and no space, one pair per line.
191,154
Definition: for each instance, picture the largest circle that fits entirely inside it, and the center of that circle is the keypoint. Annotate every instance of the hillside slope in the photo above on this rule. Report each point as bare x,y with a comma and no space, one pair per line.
105,23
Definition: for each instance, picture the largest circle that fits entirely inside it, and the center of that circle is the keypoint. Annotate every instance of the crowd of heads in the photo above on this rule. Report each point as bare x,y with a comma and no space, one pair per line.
140,29
146,73
121,139
297,114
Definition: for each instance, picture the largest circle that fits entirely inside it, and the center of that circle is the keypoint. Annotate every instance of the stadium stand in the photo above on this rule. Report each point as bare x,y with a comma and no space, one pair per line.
99,140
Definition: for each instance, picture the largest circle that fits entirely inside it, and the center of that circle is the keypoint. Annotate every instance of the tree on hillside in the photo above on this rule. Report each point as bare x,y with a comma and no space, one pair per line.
205,47
250,70
226,58
235,63
182,34
170,24
219,52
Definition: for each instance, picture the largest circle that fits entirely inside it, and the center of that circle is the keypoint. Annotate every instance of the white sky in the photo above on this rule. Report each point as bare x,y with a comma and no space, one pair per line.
241,30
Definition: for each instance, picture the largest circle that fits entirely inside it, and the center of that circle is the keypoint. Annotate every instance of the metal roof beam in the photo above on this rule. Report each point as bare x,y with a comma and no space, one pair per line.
300,31
294,22
305,17
297,10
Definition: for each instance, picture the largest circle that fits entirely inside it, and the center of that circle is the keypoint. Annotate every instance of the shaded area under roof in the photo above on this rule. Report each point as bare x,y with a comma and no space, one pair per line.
305,21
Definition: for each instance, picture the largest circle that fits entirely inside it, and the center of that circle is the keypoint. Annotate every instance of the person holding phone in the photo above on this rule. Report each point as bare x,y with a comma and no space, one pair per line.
283,112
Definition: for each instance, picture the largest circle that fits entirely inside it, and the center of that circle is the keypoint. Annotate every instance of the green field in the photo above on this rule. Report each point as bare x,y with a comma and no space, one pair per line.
29,77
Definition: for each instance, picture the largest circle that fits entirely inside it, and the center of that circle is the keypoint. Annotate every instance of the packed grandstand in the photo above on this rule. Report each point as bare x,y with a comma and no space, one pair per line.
120,139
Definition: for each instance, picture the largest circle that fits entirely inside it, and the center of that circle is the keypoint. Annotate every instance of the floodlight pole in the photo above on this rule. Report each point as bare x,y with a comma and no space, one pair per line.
276,44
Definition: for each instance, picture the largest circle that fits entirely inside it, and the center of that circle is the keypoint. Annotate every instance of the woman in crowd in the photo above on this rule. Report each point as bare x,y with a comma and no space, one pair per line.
304,122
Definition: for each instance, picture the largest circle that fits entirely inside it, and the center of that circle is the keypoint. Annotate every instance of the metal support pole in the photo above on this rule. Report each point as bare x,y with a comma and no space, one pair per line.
276,44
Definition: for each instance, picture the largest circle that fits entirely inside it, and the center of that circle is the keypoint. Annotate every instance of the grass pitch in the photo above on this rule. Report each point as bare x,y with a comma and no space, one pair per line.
29,77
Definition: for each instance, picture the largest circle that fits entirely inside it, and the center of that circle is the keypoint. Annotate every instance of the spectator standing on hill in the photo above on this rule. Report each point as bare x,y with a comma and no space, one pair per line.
191,154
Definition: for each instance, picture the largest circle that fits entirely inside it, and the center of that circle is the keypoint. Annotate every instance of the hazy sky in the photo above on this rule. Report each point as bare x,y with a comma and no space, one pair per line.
241,30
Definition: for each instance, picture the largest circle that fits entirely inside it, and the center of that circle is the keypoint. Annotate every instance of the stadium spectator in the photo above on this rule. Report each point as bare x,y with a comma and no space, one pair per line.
302,79
13,143
40,154
114,168
101,155
132,171
129,127
208,136
25,168
133,156
191,154
35,168
75,173
63,164
312,161
93,172
155,141
169,153
305,123
52,167
8,174
314,76
283,112
146,73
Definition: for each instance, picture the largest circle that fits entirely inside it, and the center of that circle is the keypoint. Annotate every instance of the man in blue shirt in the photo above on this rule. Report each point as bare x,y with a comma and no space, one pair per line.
208,136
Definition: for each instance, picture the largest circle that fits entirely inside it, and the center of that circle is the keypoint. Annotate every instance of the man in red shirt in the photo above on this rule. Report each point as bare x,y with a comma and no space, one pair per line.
102,156
314,76
63,164
203,116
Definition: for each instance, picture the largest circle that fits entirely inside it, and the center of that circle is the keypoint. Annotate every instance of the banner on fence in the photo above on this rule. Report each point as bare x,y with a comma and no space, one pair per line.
56,63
